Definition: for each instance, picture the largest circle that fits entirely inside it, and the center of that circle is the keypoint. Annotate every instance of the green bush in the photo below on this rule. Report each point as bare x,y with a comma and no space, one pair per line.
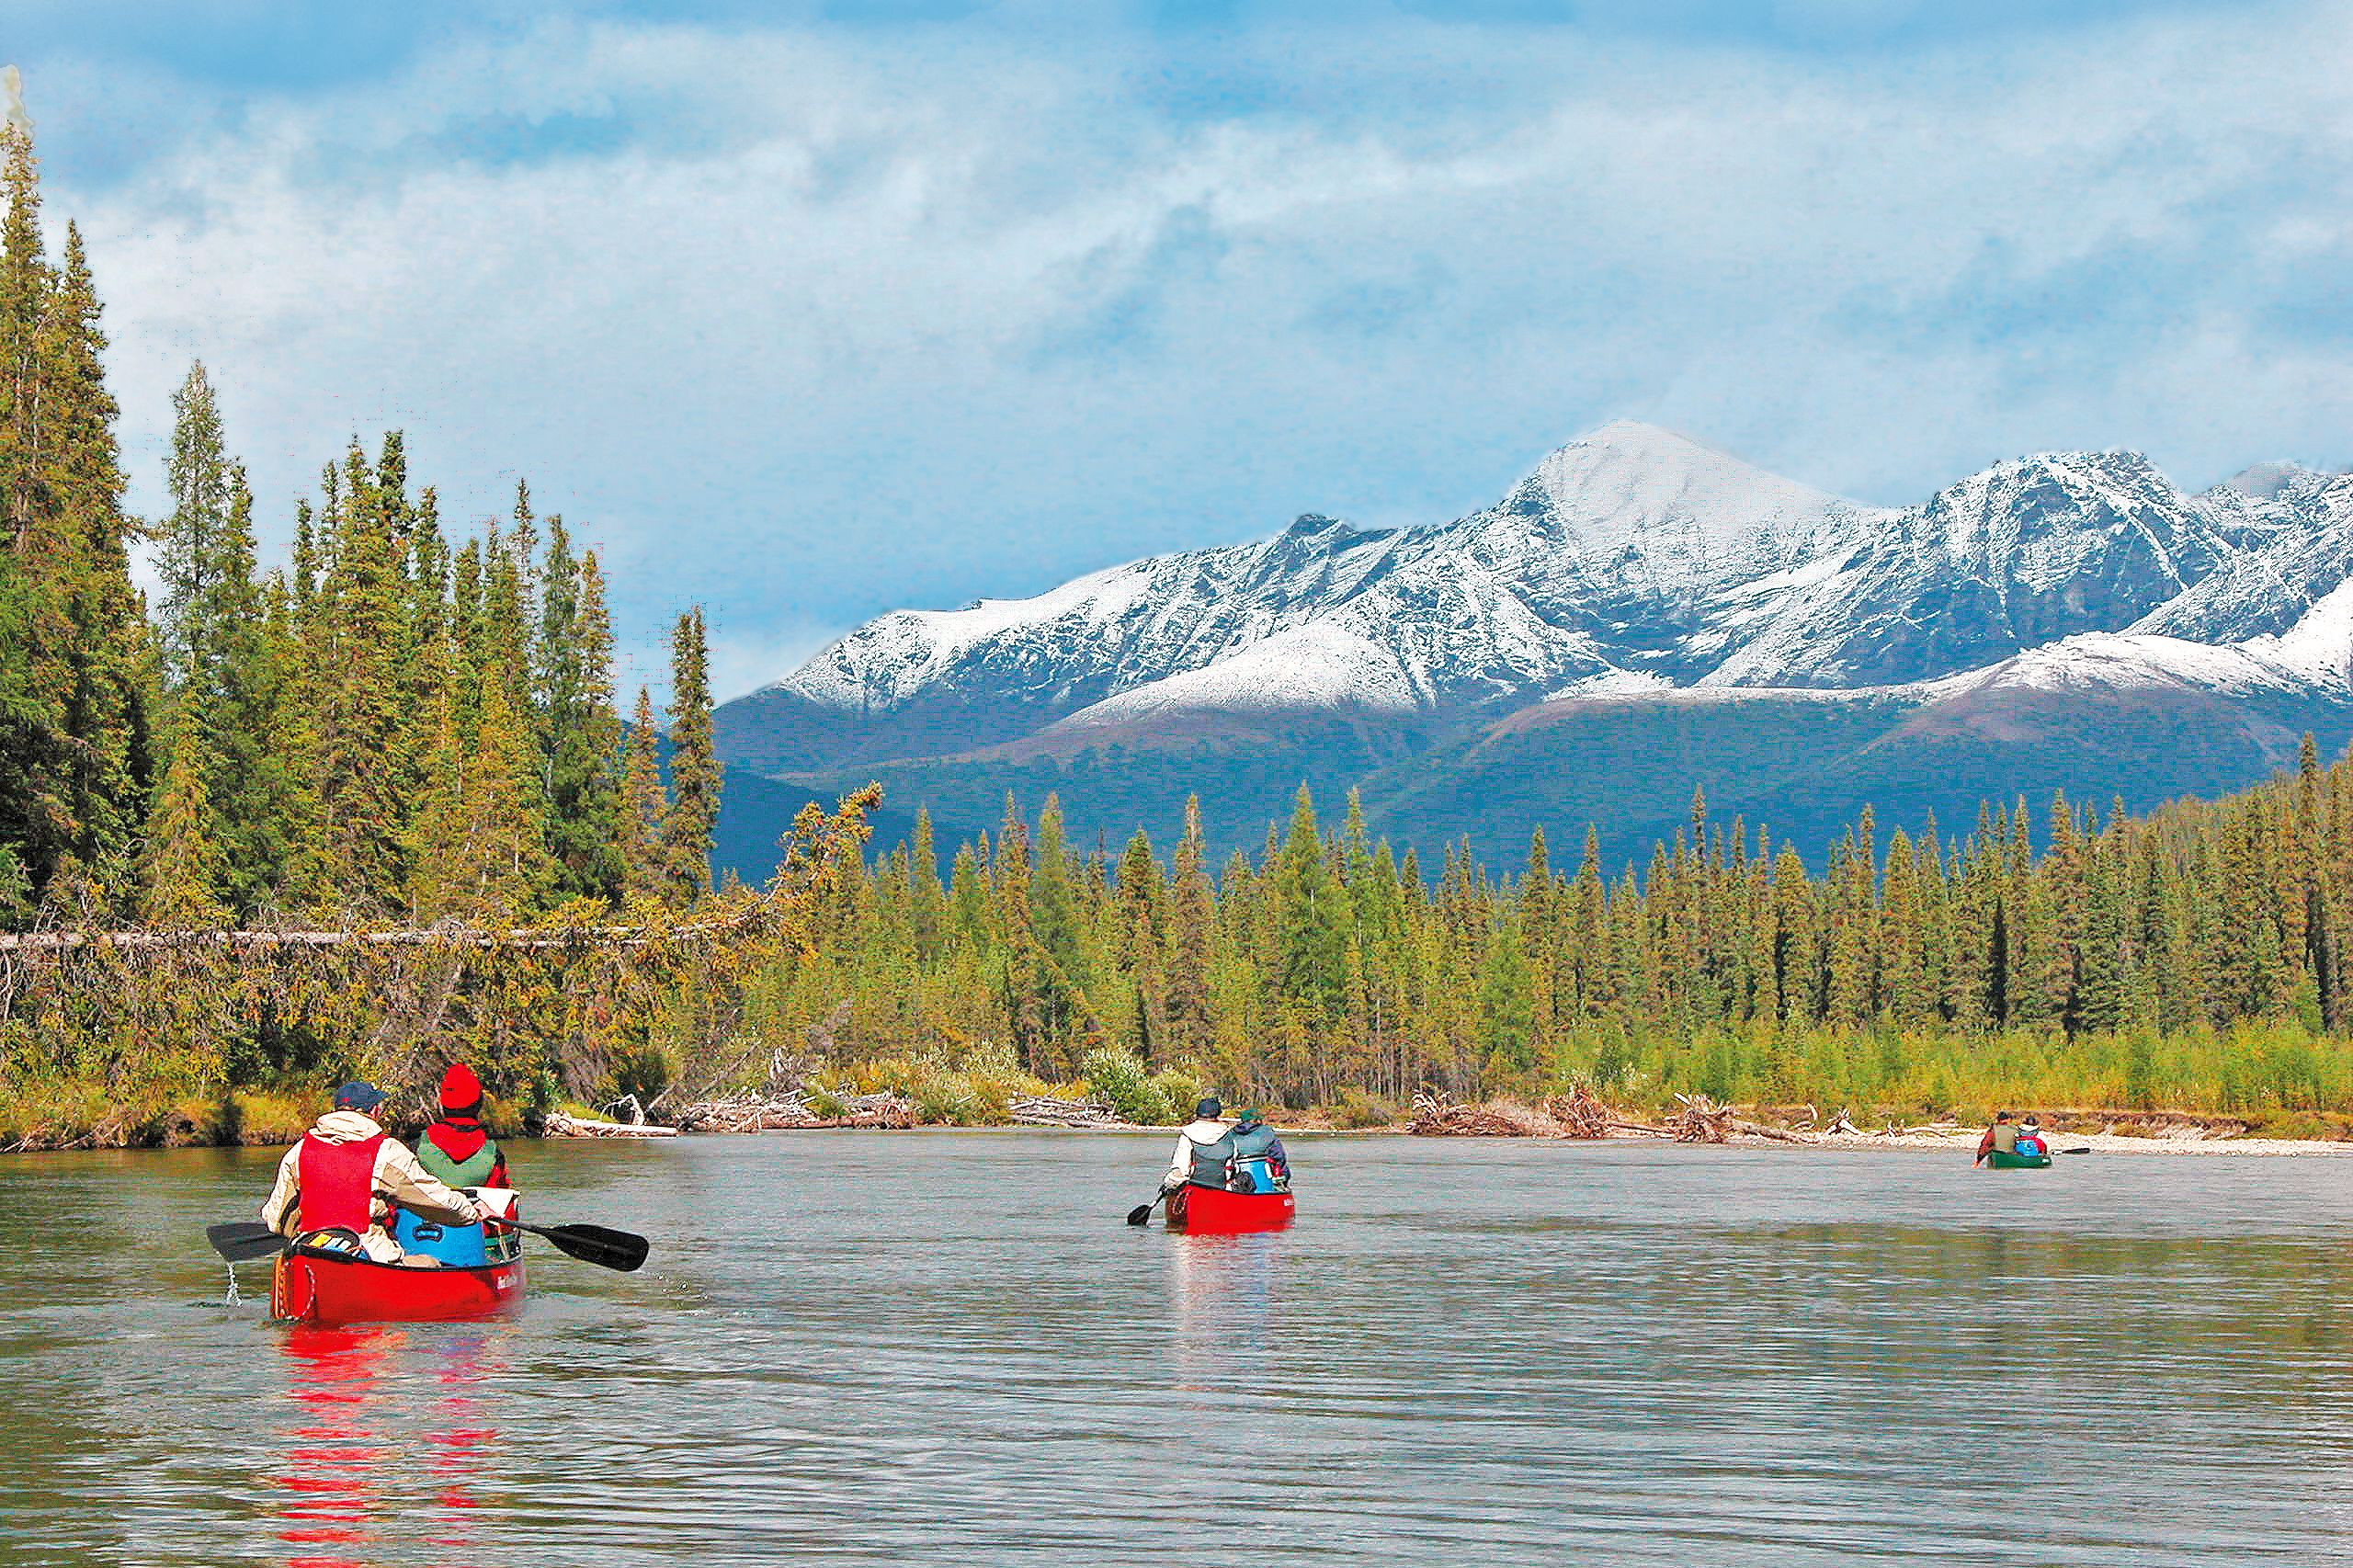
1130,1089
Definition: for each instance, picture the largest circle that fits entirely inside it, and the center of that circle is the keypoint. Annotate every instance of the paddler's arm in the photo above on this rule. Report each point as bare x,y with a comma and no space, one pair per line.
279,1211
410,1185
1181,1166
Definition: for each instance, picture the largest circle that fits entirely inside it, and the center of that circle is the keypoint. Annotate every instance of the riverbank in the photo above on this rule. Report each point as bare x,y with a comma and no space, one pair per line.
253,1118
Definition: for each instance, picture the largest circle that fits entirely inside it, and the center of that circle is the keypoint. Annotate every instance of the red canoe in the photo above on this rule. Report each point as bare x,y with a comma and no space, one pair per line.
328,1289
1213,1211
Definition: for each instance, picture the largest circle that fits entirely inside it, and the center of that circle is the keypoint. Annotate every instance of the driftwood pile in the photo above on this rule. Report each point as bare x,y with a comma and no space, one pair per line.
1581,1114
750,1113
1700,1120
1439,1115
559,1125
786,1112
794,1109
1577,1114
1046,1110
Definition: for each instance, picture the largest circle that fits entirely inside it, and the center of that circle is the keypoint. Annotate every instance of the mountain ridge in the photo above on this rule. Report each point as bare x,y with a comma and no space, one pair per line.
1629,568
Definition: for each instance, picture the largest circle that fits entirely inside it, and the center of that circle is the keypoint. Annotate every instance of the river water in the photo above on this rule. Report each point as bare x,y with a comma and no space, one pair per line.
939,1346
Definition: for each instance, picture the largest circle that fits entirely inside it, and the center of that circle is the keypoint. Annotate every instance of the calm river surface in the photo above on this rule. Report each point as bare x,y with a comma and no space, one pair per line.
945,1346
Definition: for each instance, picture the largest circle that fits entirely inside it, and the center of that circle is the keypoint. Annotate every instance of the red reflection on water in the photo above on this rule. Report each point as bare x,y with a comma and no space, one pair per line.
1224,1291
357,1390
331,1467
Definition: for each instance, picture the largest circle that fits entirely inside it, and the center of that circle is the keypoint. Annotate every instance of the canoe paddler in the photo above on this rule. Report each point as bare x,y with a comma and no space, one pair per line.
456,1147
1203,1149
2002,1138
347,1172
1258,1156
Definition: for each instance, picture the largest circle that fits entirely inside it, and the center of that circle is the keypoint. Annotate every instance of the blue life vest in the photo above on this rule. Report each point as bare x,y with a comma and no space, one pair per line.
2029,1147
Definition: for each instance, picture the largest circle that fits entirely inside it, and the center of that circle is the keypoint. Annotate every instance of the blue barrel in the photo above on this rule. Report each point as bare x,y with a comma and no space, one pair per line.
457,1246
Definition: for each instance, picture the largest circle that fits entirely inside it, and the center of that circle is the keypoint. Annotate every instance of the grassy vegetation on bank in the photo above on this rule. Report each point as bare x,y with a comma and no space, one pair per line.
2281,1080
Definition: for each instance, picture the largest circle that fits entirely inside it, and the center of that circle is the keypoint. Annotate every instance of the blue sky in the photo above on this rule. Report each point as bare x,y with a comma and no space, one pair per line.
804,312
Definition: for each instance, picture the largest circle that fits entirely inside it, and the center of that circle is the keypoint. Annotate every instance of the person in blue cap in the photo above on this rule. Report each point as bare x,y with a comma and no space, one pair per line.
343,1176
1258,1157
1203,1149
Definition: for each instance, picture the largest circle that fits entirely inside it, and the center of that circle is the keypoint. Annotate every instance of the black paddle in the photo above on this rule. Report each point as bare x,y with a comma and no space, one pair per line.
2085,1149
243,1241
616,1250
1142,1211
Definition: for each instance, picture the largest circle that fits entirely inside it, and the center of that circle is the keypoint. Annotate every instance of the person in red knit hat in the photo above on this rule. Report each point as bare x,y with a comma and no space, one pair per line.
456,1148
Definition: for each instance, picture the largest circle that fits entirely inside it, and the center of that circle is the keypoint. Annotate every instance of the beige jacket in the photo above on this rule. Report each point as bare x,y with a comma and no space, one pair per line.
399,1180
1201,1130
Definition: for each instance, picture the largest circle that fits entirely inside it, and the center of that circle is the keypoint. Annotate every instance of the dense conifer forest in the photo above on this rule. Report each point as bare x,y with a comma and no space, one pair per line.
392,727
401,732
2189,958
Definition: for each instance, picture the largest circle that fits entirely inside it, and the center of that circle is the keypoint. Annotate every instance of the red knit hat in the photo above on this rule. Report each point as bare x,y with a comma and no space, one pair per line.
460,1090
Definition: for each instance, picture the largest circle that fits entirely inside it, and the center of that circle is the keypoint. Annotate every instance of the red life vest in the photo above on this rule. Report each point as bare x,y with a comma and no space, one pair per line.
338,1183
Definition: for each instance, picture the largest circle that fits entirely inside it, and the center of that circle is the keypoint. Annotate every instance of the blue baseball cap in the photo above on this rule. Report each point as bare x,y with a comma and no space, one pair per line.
1208,1109
359,1095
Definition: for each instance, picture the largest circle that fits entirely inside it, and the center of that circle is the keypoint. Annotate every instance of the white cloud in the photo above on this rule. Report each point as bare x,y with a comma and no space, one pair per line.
804,324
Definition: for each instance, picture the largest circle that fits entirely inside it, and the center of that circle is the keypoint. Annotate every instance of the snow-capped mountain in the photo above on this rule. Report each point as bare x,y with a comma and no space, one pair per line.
1630,558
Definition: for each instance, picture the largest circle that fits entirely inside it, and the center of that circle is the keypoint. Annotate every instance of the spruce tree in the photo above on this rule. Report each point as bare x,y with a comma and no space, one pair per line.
1192,935
189,554
82,767
688,825
579,730
182,864
1312,911
360,706
644,803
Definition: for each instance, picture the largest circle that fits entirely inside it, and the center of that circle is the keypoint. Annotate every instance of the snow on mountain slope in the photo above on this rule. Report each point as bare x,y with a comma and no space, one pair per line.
1135,622
1595,560
1635,511
2026,552
2303,534
1632,556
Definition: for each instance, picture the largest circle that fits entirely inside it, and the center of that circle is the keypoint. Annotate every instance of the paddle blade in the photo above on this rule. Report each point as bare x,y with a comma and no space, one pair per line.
2085,1149
243,1241
616,1250
1139,1214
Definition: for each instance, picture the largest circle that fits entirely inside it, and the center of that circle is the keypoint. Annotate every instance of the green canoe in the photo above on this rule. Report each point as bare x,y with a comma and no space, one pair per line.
2002,1162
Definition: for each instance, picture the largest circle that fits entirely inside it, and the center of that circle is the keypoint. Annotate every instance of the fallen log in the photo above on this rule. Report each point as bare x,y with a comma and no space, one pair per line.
1778,1135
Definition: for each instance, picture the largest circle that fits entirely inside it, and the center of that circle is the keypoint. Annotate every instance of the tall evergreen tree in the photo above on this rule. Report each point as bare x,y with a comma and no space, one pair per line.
579,735
693,816
643,805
